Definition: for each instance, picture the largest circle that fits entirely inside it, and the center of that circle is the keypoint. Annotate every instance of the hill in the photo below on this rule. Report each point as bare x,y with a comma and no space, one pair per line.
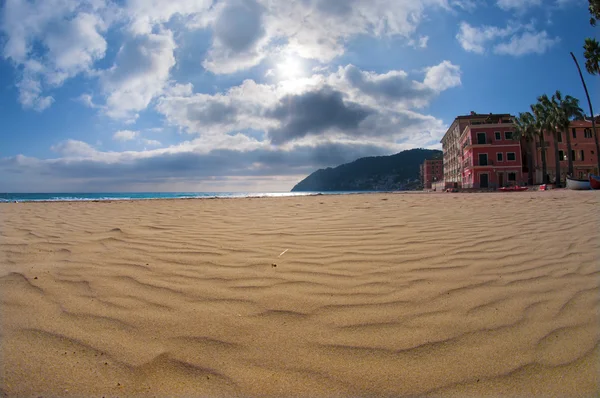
378,173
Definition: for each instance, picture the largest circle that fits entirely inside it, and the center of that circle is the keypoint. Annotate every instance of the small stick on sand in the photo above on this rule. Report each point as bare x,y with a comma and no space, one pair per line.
283,252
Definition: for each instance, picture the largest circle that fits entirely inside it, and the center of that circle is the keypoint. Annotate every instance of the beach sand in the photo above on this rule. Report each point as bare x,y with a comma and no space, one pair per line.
356,295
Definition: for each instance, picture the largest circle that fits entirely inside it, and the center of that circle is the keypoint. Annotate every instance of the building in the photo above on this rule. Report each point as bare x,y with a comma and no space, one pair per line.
453,151
431,172
491,157
583,153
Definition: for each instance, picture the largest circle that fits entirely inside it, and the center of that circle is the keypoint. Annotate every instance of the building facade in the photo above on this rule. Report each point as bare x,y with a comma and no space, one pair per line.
432,172
491,157
453,145
479,152
583,153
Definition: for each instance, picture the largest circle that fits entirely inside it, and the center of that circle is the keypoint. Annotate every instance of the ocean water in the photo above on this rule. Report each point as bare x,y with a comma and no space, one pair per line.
105,196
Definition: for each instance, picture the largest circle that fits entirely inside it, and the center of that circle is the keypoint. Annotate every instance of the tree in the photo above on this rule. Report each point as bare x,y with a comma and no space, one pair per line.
540,120
592,56
594,8
565,110
551,123
525,129
591,46
587,95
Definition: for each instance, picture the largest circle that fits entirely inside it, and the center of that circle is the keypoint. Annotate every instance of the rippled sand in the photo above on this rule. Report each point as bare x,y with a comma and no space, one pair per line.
370,295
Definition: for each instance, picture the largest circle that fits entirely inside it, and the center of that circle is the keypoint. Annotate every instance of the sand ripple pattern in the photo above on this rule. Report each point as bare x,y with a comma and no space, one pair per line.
374,295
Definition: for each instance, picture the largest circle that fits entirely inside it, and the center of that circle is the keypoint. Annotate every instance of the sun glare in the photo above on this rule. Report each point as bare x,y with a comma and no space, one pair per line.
290,67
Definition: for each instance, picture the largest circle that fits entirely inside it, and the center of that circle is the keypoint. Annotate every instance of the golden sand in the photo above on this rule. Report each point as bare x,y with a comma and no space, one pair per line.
356,295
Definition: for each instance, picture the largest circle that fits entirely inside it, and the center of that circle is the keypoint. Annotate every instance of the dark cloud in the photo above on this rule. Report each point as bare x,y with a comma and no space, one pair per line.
240,25
211,112
393,86
313,113
136,56
334,8
187,166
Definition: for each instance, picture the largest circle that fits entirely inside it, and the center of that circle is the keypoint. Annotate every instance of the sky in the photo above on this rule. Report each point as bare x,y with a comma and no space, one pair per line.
254,95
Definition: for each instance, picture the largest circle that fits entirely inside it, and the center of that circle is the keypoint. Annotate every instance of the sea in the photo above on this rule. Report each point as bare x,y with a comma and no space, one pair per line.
110,196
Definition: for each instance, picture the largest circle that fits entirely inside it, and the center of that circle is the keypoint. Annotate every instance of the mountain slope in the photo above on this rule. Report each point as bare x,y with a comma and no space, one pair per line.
394,172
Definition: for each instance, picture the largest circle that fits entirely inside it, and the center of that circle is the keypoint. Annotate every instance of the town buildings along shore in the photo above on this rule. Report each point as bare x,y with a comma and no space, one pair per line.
480,152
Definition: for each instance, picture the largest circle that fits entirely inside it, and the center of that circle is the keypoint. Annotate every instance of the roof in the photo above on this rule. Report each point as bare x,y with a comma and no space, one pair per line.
581,123
482,115
475,115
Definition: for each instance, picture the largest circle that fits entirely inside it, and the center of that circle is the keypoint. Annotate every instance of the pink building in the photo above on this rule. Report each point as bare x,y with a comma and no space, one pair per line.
491,158
431,172
454,150
583,153
479,152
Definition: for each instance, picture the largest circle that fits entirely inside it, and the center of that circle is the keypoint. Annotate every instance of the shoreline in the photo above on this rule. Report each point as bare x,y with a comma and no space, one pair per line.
271,196
258,196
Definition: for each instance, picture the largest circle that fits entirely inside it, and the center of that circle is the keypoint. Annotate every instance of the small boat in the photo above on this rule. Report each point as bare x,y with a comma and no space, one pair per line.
513,189
594,181
578,185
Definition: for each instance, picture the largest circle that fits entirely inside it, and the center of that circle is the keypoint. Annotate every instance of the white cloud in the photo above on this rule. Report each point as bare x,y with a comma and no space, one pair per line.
74,148
125,135
513,40
474,39
55,40
348,105
144,15
151,142
521,6
68,38
140,73
315,30
443,76
30,93
527,43
517,4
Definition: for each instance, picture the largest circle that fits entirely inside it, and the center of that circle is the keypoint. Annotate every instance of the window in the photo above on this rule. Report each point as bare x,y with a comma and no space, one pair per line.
573,154
574,132
512,176
499,156
483,159
498,136
559,135
511,156
587,133
508,135
561,155
481,138
582,155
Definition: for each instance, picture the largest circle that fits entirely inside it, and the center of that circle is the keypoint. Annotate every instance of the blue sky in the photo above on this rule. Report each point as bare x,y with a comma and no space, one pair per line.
253,95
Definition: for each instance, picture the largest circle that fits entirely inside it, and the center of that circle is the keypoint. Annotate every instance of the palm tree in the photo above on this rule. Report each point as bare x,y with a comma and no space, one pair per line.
594,9
525,129
591,46
540,121
566,109
592,56
551,123
587,95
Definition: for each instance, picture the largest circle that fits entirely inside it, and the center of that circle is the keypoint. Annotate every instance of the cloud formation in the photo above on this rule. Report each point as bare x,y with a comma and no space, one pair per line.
281,99
82,168
514,39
